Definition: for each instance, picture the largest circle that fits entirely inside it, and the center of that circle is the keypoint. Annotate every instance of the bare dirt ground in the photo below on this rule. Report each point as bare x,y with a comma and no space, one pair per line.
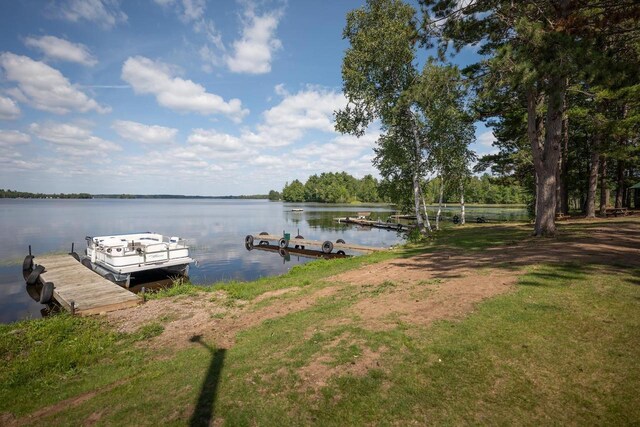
420,289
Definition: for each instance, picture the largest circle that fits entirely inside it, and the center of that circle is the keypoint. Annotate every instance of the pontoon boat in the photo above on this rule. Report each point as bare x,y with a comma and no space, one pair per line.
116,257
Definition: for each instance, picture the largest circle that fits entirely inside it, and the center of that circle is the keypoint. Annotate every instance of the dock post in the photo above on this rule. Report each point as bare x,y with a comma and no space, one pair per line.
72,243
72,304
30,250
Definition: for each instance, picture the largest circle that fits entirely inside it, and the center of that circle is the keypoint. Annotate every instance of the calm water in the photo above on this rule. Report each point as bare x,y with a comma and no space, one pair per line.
215,230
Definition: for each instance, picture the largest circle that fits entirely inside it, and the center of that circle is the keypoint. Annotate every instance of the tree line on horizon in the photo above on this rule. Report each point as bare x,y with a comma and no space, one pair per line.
557,81
341,187
12,194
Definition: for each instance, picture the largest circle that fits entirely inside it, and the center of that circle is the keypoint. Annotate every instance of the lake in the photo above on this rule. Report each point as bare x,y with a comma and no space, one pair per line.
214,228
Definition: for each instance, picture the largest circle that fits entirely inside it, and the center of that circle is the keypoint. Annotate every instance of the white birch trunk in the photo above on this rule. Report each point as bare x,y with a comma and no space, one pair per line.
416,177
424,208
440,198
462,203
416,199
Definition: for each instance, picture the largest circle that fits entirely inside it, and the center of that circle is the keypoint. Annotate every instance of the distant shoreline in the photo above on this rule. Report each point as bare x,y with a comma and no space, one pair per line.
10,194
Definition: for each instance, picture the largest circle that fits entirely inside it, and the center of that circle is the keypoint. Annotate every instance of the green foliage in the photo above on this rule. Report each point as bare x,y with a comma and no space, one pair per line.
331,187
488,190
293,192
414,235
274,195
425,119
542,63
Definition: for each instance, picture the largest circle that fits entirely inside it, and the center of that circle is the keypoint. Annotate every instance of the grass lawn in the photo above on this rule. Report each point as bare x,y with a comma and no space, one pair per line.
560,348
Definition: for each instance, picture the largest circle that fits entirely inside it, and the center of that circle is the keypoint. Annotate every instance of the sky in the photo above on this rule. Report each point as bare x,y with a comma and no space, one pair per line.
193,97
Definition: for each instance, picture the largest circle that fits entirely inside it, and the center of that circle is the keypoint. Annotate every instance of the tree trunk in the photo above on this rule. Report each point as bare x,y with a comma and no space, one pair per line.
416,199
620,184
424,208
558,184
416,177
545,203
546,152
462,221
440,198
564,167
604,191
593,179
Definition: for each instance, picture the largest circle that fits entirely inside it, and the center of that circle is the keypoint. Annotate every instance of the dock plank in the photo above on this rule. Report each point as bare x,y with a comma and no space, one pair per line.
91,293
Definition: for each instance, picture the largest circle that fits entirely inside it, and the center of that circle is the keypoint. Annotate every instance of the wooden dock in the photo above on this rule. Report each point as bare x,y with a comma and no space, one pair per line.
80,290
374,224
407,217
293,251
305,242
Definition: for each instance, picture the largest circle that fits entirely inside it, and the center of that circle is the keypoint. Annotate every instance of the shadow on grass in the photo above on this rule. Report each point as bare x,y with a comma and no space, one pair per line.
560,273
204,411
611,247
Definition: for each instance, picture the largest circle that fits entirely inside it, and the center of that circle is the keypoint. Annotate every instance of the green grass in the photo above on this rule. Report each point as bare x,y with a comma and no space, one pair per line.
560,349
300,276
47,360
475,237
178,288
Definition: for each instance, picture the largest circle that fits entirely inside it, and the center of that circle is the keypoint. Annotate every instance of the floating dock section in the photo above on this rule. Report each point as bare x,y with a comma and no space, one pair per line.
298,252
326,246
79,289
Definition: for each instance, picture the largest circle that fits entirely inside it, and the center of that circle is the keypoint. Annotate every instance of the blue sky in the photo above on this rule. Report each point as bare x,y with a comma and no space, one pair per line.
174,96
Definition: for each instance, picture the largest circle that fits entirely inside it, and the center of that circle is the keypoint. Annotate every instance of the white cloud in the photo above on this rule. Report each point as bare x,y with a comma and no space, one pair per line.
308,109
145,134
187,10
342,150
216,140
153,77
9,110
254,51
73,139
193,12
64,50
287,122
213,50
106,13
189,162
13,137
485,143
44,87
193,9
209,144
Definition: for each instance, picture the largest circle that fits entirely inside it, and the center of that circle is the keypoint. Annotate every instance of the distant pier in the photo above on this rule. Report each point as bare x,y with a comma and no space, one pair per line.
372,223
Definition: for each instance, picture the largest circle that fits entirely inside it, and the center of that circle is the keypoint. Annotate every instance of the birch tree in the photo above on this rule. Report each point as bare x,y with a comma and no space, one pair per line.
378,71
419,111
